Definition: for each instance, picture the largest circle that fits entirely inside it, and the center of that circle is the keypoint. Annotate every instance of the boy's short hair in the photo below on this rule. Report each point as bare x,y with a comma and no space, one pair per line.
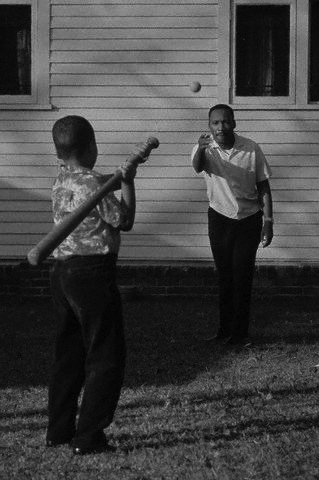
221,106
72,135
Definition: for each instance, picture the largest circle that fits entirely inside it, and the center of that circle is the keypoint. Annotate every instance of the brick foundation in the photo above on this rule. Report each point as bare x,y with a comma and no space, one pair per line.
20,279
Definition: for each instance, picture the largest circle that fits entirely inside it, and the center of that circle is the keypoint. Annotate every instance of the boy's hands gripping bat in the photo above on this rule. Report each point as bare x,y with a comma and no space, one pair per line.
60,231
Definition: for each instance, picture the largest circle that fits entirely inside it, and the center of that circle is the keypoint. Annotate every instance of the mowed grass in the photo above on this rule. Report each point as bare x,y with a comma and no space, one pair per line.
189,409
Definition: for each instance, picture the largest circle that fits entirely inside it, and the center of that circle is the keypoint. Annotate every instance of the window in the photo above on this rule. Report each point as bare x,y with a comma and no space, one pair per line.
262,50
269,52
24,53
314,52
15,53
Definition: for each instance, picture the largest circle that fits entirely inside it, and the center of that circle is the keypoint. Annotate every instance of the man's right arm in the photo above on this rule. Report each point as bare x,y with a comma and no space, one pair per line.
198,156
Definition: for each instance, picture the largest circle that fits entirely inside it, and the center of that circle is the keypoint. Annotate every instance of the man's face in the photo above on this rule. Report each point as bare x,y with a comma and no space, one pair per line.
222,124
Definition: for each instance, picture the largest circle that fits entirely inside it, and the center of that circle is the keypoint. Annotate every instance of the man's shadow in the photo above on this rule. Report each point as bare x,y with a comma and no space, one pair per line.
171,343
169,340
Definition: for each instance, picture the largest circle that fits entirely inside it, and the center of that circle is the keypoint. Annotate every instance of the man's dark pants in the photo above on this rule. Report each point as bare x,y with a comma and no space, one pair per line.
89,350
234,245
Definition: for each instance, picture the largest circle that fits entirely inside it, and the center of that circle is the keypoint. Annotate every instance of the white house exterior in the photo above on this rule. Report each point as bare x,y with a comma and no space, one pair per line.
126,65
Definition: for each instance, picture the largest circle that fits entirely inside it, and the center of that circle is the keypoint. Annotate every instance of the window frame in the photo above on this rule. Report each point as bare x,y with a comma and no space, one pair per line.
40,24
299,52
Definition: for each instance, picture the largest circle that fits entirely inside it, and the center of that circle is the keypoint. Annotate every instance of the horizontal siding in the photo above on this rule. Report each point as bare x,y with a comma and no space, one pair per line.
127,66
131,45
9,191
172,240
281,166
136,56
127,80
154,208
132,10
130,2
300,140
284,132
193,185
135,21
164,229
175,173
159,217
121,143
134,33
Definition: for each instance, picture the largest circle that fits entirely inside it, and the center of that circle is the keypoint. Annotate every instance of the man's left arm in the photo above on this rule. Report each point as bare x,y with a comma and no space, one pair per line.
265,198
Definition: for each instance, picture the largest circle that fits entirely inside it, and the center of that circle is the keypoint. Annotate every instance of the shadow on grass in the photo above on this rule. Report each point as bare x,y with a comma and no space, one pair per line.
165,438
166,337
195,399
251,430
227,432
265,418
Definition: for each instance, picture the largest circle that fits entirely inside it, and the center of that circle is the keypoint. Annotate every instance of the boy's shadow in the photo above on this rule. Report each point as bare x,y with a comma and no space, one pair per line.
171,342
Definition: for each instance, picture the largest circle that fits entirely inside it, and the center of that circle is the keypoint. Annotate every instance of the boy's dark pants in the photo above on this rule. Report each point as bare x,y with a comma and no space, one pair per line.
89,352
234,245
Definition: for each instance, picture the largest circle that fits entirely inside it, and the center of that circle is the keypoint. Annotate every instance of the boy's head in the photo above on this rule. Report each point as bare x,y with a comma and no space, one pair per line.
74,137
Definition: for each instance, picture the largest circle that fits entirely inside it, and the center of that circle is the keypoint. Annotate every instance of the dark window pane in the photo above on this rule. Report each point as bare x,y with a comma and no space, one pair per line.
314,51
15,50
262,50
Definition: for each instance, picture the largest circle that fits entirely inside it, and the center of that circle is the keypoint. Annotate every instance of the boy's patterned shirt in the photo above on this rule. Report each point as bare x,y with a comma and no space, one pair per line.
99,232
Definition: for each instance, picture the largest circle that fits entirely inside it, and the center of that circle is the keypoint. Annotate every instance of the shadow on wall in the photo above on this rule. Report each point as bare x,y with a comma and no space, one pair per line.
25,212
25,216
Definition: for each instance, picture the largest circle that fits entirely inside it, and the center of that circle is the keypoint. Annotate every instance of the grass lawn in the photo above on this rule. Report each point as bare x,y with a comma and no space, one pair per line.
189,409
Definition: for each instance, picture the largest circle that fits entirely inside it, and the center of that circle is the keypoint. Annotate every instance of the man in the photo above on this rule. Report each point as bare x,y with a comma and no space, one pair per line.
239,215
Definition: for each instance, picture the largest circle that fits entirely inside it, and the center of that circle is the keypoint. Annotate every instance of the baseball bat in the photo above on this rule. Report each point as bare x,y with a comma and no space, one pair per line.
61,230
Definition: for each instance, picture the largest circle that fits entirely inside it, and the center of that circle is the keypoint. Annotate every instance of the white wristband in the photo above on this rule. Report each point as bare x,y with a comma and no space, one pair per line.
269,219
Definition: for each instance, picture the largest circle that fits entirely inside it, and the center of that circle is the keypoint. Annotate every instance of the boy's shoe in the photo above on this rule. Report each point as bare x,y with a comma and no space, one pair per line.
56,443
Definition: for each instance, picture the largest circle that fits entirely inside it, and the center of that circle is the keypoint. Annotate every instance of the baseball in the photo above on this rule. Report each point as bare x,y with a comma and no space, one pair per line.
195,87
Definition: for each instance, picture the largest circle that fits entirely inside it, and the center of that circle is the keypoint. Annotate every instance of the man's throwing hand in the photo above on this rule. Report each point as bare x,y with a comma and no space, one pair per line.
204,141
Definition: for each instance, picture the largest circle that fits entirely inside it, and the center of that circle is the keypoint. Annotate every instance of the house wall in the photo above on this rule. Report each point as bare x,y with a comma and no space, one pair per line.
127,66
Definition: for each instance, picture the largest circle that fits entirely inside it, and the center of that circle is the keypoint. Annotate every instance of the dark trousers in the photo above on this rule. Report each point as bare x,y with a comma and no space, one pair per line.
234,245
89,350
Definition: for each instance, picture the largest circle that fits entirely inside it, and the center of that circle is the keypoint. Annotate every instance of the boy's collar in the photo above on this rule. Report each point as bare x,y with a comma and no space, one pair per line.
74,168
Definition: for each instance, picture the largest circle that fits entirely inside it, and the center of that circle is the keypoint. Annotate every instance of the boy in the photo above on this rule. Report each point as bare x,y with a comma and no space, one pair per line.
90,347
239,215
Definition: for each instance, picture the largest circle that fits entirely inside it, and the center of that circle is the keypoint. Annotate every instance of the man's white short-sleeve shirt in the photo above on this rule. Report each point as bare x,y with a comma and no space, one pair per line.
232,175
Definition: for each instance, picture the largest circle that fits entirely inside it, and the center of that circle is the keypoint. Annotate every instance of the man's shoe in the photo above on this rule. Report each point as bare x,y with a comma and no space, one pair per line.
93,450
219,338
239,341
